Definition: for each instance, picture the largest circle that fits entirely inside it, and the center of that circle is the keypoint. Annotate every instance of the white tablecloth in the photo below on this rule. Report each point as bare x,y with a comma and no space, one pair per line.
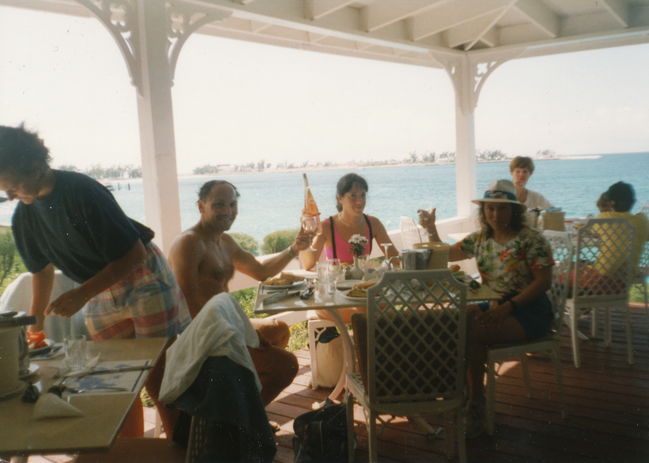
18,297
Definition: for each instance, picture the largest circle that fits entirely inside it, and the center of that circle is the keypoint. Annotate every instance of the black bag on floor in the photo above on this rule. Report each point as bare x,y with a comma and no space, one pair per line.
321,435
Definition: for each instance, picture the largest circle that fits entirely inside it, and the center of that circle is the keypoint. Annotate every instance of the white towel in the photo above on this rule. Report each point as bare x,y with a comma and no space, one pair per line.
221,328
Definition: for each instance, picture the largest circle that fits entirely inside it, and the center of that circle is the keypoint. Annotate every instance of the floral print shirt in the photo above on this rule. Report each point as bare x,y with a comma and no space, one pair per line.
507,268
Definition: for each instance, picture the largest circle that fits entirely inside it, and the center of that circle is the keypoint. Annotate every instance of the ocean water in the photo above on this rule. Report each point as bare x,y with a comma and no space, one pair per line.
272,201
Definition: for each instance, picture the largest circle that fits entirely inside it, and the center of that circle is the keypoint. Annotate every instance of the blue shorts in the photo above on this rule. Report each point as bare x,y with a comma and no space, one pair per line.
535,317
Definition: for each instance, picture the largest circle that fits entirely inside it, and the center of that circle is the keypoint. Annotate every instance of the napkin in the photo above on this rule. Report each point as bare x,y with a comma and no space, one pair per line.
49,405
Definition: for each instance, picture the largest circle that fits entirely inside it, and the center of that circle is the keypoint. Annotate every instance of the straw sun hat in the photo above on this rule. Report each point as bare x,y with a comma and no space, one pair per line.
500,191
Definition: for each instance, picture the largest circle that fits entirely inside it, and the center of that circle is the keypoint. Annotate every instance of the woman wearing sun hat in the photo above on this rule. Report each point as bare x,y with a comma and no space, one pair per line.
516,262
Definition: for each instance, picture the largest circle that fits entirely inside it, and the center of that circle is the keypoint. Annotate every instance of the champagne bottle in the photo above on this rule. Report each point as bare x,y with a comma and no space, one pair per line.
310,206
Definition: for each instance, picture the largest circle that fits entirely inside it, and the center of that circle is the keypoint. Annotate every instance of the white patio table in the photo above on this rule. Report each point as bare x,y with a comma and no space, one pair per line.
103,414
331,304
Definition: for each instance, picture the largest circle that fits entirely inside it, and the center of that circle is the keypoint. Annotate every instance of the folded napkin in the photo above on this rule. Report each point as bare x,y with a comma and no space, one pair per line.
50,405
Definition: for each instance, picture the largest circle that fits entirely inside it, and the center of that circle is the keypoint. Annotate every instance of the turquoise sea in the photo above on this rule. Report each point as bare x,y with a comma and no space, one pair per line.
272,201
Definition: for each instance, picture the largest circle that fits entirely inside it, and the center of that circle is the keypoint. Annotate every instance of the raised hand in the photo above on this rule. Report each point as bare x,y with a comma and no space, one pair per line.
427,218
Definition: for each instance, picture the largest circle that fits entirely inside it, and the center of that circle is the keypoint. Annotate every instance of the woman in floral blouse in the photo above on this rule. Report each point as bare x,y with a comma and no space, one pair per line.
513,260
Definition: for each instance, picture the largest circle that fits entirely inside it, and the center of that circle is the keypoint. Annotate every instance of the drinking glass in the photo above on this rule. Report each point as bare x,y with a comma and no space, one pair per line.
323,283
336,273
310,225
76,352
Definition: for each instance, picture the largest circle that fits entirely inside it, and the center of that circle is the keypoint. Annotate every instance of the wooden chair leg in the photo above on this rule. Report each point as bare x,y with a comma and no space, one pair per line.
491,396
556,361
349,411
629,335
574,338
373,441
526,376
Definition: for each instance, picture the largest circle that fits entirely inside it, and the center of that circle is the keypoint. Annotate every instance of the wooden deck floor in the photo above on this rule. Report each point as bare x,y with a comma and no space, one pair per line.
607,407
607,410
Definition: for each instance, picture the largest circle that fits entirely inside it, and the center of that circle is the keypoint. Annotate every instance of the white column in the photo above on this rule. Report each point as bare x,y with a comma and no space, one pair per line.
468,74
465,160
155,111
150,35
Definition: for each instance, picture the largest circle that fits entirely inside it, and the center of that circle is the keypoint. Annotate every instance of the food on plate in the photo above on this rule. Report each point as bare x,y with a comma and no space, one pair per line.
454,268
364,285
284,279
357,292
36,339
360,289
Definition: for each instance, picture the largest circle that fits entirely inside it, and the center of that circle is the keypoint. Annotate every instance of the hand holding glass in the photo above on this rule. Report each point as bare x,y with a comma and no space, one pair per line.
310,225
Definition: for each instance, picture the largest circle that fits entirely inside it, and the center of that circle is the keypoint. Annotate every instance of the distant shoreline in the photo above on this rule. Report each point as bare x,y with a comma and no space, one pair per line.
355,166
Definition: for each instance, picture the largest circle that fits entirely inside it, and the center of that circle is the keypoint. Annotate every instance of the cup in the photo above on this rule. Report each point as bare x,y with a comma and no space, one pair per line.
438,254
554,221
76,352
323,284
335,273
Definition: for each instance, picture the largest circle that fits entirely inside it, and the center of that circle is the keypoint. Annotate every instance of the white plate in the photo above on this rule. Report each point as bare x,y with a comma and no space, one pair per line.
343,294
296,285
347,284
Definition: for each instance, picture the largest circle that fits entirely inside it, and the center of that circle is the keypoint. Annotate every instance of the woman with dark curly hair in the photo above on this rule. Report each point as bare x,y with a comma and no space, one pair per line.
516,262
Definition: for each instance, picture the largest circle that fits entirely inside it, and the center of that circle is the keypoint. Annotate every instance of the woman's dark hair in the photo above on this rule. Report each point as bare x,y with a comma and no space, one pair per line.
522,162
622,195
516,224
204,192
346,183
22,153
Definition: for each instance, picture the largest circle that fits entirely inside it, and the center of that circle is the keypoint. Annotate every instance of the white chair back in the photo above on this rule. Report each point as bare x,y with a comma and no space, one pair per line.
562,252
603,267
416,336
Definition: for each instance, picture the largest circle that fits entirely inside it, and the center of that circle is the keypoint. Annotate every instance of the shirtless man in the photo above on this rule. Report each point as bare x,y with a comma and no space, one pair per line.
204,259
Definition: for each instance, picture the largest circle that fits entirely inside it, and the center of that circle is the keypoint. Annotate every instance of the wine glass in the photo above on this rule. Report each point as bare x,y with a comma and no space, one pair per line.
387,261
310,225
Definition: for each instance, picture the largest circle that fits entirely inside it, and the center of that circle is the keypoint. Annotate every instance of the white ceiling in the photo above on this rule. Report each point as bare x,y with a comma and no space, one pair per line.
414,31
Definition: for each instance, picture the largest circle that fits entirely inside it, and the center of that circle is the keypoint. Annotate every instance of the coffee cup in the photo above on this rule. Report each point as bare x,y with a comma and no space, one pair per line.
438,253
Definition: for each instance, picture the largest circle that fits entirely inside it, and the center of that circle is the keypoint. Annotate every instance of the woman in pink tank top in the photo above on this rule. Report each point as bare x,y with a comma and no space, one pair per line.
351,197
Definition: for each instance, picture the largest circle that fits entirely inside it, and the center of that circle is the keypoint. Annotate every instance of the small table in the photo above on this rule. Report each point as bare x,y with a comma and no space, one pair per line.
331,304
103,414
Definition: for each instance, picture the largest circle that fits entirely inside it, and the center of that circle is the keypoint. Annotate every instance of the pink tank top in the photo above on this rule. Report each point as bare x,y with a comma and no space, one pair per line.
341,248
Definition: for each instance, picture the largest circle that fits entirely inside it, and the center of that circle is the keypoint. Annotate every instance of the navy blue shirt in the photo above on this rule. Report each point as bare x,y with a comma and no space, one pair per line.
78,227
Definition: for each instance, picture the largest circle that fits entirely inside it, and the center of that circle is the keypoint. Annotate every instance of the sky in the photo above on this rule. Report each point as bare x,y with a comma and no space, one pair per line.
238,102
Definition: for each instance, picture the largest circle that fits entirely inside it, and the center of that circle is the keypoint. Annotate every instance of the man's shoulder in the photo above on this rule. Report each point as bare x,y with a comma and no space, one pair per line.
187,241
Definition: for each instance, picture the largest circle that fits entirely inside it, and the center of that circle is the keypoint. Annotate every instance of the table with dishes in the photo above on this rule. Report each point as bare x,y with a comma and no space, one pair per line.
344,294
100,408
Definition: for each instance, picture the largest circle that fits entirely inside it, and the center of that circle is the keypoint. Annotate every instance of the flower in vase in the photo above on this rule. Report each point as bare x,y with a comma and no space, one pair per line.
357,243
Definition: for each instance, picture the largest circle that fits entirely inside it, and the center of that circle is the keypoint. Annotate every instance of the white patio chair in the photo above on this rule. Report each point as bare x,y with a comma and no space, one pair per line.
641,275
642,271
601,278
562,252
414,359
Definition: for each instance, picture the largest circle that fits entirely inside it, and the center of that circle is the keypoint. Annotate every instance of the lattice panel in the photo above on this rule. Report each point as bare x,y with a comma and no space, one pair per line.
603,263
562,252
419,334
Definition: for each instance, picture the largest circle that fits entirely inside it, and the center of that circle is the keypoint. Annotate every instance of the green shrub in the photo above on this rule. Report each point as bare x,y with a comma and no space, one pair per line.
247,242
7,255
278,241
